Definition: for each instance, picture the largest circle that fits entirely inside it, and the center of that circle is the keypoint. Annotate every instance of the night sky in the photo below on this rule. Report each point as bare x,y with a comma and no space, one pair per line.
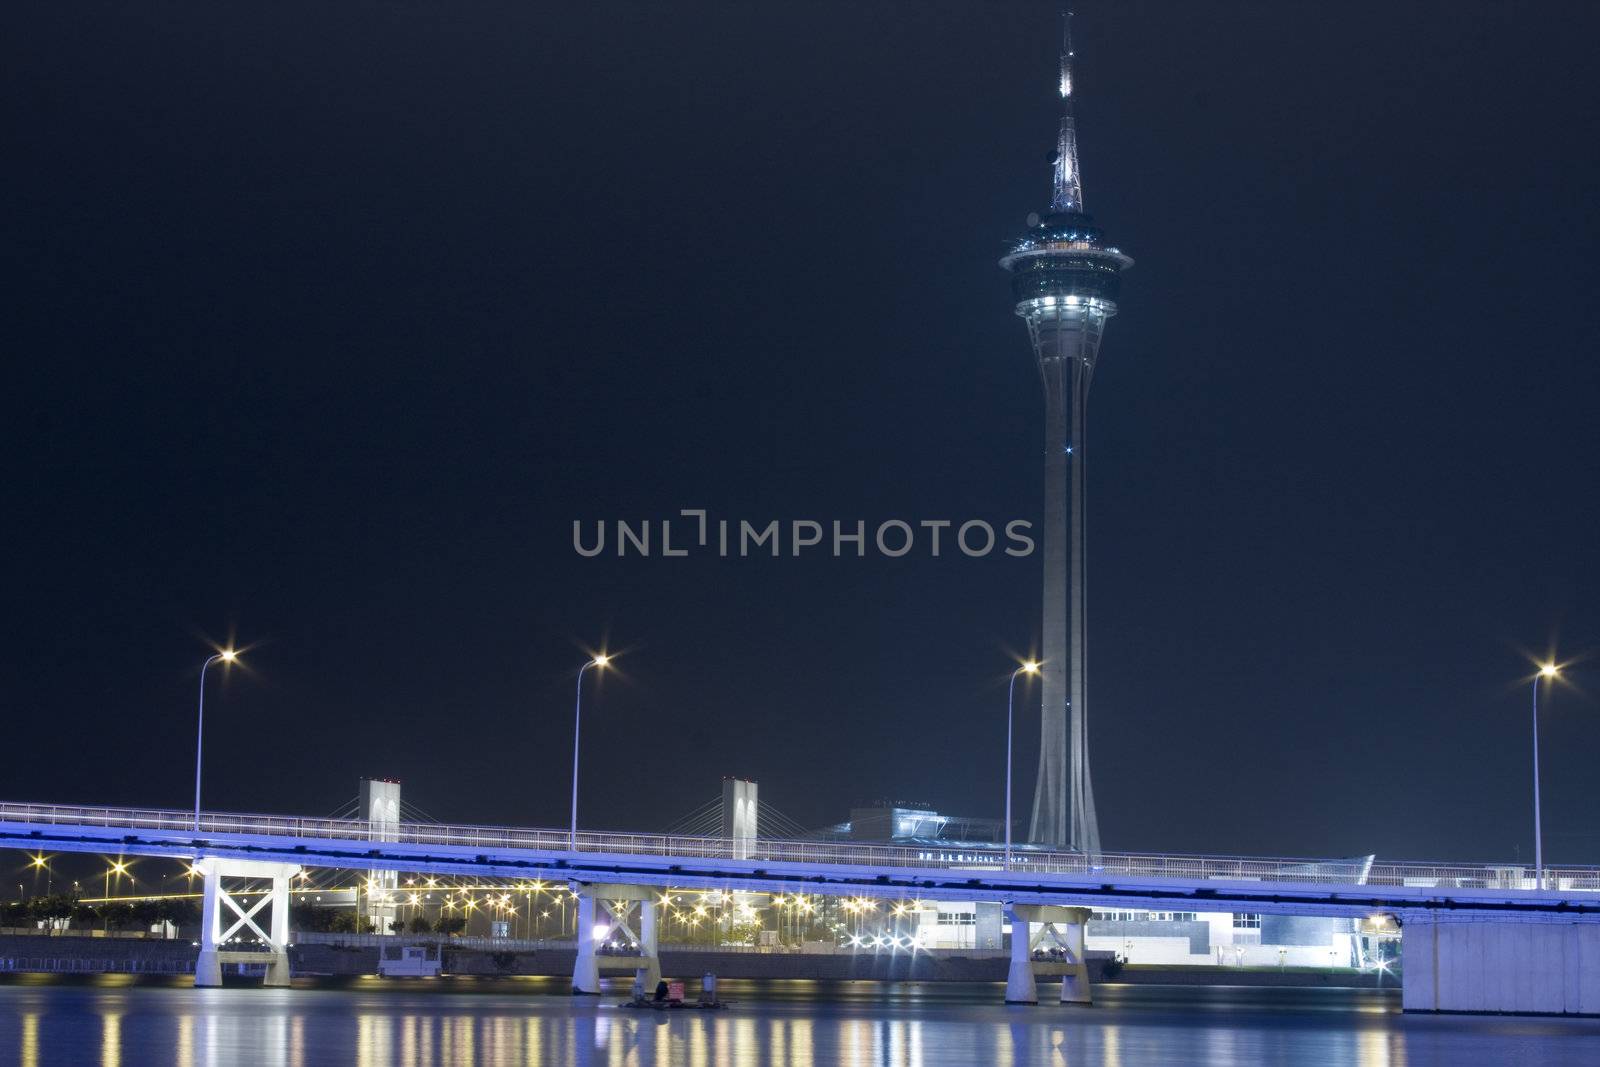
325,323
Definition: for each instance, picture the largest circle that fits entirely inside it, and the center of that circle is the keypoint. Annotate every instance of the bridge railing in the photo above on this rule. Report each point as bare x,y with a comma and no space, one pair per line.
1361,871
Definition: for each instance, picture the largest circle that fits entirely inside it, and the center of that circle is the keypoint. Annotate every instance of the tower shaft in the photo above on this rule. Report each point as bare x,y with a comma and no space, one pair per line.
1066,340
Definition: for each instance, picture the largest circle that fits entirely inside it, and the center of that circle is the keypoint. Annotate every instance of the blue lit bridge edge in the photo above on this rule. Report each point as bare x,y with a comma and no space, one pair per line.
1142,880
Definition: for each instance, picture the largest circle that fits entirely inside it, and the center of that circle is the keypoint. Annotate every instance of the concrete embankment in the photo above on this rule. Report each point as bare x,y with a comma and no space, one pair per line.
95,955
878,967
132,955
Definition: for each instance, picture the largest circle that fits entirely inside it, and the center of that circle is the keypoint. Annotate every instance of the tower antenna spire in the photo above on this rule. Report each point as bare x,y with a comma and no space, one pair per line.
1068,192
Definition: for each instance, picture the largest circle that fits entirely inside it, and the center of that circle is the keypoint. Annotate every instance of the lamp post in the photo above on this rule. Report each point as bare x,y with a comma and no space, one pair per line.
1030,667
119,869
577,725
227,655
1550,671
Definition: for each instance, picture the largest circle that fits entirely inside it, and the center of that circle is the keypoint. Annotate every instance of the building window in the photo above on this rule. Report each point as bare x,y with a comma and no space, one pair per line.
1100,915
958,918
1246,922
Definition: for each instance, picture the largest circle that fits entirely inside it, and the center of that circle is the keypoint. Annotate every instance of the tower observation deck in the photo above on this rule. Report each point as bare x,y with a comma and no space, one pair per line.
1066,281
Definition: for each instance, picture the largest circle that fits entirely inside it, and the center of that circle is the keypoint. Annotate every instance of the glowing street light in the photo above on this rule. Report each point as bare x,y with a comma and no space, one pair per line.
227,655
1028,667
1547,672
40,862
600,661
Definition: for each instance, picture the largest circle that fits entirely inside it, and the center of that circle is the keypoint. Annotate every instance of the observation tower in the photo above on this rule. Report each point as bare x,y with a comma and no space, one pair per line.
1065,280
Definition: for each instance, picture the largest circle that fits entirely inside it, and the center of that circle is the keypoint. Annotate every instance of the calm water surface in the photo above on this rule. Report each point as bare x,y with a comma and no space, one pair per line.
117,1022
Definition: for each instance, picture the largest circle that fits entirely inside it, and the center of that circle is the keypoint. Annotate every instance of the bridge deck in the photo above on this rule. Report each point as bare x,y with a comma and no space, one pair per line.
1205,883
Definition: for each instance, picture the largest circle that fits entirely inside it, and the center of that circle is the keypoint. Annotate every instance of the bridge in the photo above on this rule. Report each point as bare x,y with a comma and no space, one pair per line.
1476,937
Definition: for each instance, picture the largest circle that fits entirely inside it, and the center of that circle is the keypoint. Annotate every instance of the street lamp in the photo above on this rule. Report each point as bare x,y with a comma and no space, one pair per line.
227,655
577,722
1029,667
1546,671
119,869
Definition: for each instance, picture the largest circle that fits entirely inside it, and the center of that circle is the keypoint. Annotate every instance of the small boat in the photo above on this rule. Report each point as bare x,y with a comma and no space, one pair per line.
674,1005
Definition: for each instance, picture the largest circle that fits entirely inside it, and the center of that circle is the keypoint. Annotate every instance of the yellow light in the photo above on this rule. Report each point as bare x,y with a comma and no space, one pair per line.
1549,670
39,860
228,655
1030,667
601,660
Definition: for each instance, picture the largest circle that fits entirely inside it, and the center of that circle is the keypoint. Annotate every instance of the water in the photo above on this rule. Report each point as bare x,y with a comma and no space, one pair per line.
119,1022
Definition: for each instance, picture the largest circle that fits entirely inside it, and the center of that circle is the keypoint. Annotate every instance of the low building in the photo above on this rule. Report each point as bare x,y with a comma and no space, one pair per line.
1150,937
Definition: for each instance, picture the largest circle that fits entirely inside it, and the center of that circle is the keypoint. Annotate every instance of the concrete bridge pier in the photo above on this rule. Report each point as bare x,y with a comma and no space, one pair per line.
586,970
1522,964
649,971
1058,927
1020,986
1075,978
618,902
217,906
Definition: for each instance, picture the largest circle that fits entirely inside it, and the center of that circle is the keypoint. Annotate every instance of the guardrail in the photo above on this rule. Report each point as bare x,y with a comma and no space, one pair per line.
472,941
75,931
1361,871
513,944
73,965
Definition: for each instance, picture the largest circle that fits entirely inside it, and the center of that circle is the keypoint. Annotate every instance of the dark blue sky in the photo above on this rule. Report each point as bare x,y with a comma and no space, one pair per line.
324,325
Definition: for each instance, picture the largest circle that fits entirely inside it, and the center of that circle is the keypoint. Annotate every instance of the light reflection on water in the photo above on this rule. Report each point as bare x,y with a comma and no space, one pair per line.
116,1023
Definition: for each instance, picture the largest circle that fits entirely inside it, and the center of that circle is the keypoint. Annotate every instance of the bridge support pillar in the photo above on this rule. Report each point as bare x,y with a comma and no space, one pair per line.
618,902
586,970
1075,979
1530,964
207,968
1020,986
649,972
218,905
1061,929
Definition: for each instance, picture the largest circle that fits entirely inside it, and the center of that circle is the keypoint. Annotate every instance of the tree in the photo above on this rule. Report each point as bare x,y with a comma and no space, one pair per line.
312,918
52,909
420,925
450,924
146,913
179,911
